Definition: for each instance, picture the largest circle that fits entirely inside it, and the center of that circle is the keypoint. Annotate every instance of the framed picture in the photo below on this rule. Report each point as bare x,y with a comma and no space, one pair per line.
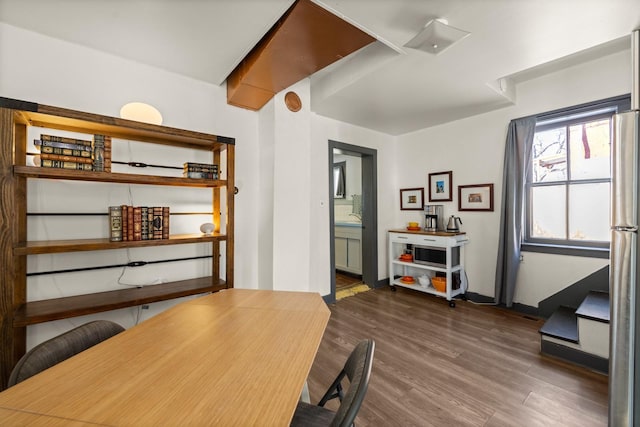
411,199
440,187
477,197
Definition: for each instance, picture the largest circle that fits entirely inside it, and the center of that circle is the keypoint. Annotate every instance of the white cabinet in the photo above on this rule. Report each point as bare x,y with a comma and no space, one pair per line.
348,248
452,268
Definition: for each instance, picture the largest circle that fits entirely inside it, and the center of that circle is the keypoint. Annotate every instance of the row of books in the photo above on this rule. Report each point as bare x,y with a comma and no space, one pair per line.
79,154
72,153
200,170
129,223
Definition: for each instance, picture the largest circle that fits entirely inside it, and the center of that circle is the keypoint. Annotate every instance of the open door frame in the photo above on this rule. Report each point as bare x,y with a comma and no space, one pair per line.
369,158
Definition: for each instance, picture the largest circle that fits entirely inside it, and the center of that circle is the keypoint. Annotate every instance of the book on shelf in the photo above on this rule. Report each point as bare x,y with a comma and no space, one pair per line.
137,223
125,223
115,223
54,147
165,222
199,167
98,153
62,157
157,222
204,165
66,152
200,170
150,223
144,222
60,164
129,218
200,175
64,139
107,153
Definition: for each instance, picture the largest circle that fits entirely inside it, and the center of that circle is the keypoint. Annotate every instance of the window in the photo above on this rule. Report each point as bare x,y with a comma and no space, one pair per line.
568,187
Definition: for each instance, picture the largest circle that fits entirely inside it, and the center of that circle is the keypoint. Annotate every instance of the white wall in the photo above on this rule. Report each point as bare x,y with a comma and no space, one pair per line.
473,149
292,179
264,206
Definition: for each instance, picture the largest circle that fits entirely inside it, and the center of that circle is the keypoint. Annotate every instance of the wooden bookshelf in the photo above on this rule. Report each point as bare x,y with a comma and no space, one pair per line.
16,311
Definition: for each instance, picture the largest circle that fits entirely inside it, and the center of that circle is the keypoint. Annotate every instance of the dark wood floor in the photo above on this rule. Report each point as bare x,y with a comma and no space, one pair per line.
346,280
467,366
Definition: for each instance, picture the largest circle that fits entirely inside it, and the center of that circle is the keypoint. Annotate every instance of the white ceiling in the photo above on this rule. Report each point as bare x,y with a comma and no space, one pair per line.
384,86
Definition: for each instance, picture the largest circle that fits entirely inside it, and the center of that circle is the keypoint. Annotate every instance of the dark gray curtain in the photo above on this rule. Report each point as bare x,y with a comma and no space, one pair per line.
517,167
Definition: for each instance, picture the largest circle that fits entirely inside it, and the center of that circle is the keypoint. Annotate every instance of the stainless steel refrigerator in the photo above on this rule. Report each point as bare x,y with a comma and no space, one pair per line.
624,339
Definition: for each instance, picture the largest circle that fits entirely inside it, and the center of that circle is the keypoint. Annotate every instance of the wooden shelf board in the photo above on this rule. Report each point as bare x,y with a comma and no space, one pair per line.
121,178
62,308
58,246
77,121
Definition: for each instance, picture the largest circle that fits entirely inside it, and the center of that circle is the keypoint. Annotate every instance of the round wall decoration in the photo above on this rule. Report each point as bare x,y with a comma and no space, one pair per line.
293,102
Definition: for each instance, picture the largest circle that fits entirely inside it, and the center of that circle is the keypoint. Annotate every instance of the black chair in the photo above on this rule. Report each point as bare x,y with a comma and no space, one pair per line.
62,347
358,370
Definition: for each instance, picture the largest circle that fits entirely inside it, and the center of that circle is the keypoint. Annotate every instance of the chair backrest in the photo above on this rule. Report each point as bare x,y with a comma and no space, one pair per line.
358,370
62,347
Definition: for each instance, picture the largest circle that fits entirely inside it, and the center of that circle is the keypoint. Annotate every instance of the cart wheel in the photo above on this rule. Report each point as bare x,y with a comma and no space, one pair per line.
393,288
452,304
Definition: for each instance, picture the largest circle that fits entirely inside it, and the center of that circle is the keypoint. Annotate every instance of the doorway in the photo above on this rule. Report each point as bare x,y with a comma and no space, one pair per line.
353,215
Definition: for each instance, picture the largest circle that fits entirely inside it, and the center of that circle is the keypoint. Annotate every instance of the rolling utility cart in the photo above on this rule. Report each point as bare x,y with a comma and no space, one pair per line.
420,260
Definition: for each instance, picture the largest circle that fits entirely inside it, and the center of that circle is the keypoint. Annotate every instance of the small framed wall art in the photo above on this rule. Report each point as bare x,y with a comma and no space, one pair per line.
477,197
411,199
440,187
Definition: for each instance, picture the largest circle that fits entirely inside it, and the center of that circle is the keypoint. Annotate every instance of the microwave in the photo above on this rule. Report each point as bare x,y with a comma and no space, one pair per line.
435,256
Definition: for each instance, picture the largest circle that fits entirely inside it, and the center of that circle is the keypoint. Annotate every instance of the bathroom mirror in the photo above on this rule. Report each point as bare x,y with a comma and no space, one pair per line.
339,180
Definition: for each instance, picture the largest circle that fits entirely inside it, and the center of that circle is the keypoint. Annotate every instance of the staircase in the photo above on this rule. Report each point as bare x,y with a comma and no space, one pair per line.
580,336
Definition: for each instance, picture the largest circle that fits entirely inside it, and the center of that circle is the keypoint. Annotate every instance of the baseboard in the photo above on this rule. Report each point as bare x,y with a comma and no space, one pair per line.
524,309
591,361
472,296
520,308
381,283
329,299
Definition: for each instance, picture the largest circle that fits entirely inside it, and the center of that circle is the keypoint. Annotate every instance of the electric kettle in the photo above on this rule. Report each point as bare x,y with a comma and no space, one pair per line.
452,225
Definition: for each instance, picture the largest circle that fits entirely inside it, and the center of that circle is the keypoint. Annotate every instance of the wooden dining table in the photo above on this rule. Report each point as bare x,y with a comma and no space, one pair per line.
238,357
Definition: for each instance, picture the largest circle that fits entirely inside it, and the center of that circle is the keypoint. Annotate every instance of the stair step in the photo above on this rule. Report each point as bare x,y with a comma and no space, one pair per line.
595,307
563,324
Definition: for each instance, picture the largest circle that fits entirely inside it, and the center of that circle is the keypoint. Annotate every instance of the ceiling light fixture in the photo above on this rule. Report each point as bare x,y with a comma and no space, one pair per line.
436,36
141,112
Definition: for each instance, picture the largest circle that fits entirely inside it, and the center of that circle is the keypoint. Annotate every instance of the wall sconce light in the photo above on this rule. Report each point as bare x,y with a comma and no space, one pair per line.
141,112
436,36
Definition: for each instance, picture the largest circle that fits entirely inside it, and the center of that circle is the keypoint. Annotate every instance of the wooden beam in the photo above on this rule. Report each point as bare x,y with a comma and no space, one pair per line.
306,39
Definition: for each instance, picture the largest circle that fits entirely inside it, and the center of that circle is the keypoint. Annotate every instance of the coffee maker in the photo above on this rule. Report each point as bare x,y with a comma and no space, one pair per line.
433,218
